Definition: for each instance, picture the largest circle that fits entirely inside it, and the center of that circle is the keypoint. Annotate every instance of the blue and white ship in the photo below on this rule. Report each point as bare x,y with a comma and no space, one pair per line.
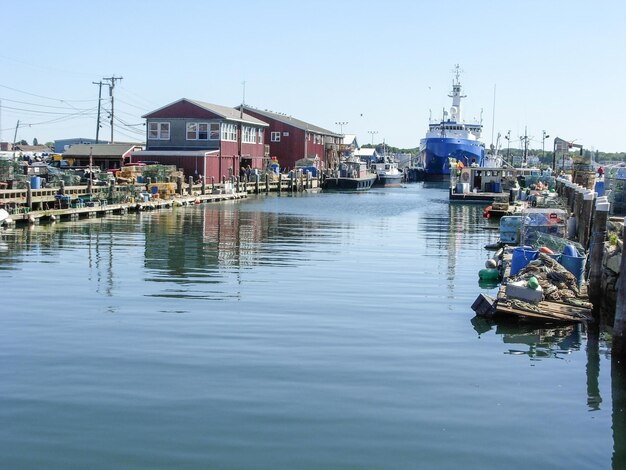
451,139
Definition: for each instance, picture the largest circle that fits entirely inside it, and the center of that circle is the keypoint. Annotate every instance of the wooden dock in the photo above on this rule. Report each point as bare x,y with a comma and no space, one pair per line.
103,208
50,204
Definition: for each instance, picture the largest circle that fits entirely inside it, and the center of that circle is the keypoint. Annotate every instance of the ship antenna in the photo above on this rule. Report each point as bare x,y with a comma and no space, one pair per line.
493,116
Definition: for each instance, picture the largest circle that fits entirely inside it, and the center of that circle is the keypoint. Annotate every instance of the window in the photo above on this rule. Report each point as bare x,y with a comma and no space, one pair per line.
215,131
261,136
192,130
275,137
249,135
229,132
159,131
197,131
203,131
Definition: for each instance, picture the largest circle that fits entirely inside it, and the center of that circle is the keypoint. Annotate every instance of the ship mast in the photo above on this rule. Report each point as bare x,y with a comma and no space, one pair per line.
455,109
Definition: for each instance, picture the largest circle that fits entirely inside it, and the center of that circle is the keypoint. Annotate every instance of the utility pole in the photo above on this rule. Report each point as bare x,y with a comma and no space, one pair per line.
99,103
543,144
15,135
341,124
373,133
112,81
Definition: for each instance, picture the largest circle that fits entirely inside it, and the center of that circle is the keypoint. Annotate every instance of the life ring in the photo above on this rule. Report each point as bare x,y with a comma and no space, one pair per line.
465,176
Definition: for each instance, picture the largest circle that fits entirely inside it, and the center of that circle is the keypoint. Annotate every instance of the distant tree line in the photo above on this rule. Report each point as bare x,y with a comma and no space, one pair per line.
381,148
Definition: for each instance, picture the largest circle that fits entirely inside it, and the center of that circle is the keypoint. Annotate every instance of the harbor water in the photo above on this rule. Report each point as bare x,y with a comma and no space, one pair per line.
309,331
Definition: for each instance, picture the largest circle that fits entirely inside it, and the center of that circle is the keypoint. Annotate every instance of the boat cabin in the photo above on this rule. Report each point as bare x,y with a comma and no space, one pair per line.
486,180
352,169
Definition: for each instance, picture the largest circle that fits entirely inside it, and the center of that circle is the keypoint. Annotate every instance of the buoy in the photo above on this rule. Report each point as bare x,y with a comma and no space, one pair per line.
490,274
570,250
546,250
533,283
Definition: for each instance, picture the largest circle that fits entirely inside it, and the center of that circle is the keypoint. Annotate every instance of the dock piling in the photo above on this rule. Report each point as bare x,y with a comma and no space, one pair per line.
619,325
29,196
596,250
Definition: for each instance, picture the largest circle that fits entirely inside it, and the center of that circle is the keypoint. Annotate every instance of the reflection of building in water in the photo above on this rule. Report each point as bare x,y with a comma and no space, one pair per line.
212,240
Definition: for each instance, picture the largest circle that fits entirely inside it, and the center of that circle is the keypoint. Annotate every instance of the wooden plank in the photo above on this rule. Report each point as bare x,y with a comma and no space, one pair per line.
503,308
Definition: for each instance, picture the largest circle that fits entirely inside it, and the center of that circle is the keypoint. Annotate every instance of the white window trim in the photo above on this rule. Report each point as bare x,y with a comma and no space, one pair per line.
228,132
197,124
158,125
275,137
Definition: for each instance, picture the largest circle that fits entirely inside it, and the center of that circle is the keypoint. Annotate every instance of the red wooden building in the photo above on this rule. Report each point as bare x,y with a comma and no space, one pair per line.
291,139
204,139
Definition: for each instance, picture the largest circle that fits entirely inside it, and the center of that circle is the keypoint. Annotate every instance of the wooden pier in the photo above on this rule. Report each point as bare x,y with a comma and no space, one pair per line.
102,208
33,206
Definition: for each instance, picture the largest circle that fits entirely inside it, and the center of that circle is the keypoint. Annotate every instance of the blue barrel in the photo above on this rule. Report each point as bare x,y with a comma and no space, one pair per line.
154,190
488,187
140,179
599,188
522,255
575,265
35,182
496,187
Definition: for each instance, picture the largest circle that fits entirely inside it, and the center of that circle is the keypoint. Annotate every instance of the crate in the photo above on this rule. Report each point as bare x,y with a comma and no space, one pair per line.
484,305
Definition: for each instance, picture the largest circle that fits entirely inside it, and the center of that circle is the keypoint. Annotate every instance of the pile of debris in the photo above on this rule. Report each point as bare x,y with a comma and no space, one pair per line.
555,283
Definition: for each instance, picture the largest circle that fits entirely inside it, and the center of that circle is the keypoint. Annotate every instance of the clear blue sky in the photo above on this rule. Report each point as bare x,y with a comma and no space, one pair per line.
378,65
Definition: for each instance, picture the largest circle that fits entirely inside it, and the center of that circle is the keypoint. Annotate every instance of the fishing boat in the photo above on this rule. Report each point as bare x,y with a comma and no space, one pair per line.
483,184
352,175
387,173
451,139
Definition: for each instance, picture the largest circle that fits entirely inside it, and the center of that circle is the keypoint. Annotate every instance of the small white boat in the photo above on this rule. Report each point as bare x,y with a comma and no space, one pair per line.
387,173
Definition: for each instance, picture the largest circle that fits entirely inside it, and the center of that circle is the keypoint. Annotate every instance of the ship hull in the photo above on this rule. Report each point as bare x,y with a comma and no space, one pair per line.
388,181
436,152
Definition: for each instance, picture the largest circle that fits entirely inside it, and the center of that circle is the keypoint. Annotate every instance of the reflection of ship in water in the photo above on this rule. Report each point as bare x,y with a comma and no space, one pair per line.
541,343
448,227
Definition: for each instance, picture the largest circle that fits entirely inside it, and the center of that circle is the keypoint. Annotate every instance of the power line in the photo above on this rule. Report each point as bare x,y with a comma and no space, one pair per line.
45,97
36,104
148,102
132,105
34,111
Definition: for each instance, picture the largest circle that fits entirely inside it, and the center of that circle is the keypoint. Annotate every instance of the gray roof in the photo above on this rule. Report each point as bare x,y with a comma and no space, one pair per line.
100,150
305,126
224,112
